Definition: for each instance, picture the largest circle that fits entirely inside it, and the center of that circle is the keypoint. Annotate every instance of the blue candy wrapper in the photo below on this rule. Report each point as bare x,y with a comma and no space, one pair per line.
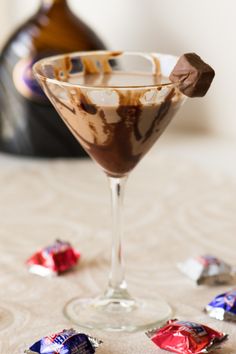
223,306
65,342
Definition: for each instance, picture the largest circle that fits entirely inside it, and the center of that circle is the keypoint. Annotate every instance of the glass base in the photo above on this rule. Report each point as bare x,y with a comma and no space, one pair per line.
6,318
123,315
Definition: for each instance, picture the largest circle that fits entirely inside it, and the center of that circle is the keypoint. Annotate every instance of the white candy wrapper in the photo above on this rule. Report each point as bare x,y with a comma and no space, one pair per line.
208,270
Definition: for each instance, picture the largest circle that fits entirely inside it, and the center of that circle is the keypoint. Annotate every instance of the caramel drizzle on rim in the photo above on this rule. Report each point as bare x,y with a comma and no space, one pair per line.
99,63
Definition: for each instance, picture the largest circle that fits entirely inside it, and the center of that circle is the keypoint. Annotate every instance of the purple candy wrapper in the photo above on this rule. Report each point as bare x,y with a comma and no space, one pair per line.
223,306
65,342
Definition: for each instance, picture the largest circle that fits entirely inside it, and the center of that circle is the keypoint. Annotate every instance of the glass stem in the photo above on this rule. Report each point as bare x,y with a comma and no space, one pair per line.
117,287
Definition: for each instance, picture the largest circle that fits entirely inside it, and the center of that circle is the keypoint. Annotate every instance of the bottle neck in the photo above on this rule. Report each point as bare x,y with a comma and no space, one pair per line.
47,5
52,2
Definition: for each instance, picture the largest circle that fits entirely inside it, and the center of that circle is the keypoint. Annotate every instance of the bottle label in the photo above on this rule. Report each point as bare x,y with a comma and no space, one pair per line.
25,82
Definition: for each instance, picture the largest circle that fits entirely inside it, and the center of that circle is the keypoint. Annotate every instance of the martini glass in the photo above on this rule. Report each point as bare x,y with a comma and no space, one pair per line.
116,104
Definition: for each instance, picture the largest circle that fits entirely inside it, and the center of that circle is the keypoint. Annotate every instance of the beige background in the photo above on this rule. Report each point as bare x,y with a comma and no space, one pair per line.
207,27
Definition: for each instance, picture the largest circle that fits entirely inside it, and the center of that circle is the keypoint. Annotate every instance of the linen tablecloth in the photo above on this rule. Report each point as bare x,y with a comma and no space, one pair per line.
180,201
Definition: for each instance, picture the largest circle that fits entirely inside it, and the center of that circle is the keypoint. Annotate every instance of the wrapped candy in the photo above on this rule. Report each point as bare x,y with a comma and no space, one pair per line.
208,270
53,260
67,341
185,337
223,306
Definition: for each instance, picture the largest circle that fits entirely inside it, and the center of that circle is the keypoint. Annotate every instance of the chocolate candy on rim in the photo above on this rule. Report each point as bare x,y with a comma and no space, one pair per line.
67,341
54,259
185,337
193,75
223,306
208,270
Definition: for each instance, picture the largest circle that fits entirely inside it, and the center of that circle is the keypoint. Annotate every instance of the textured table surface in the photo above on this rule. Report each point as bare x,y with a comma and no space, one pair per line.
180,201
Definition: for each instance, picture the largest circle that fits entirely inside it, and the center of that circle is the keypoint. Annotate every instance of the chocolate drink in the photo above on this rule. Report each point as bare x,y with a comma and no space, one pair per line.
115,127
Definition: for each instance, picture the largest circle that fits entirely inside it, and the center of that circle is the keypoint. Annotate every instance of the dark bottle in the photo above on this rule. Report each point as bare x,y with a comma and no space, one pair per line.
29,125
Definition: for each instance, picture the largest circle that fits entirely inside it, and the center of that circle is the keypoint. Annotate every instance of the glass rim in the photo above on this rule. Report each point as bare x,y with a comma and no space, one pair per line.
148,55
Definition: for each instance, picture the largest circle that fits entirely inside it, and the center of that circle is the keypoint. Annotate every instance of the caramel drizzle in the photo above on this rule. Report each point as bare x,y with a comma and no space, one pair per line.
67,67
157,65
62,72
130,97
99,64
89,65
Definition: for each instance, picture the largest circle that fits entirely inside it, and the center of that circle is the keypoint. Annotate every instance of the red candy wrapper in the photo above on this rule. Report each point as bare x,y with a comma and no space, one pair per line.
186,337
53,260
